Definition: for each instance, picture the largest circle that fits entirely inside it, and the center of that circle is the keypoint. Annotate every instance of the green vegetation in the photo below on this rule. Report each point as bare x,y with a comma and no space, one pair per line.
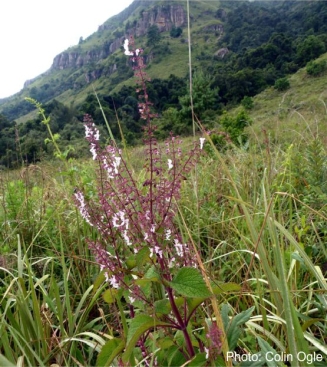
256,216
251,211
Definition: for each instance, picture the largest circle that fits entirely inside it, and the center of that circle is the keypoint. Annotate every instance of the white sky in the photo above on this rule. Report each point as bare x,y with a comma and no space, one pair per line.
33,32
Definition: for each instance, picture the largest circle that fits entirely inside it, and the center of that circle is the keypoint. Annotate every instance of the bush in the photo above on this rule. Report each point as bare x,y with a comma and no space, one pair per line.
176,32
316,68
282,84
247,103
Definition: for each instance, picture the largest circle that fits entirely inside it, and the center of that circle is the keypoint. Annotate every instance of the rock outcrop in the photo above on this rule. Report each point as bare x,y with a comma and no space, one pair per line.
165,17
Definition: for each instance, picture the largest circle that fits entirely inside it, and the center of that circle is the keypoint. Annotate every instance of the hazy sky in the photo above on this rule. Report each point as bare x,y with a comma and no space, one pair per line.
33,32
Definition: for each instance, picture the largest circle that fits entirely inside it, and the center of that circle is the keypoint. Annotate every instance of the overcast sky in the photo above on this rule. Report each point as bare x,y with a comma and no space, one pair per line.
33,32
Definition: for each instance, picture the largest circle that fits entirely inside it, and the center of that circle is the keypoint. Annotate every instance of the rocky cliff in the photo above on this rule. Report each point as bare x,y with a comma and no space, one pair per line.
164,16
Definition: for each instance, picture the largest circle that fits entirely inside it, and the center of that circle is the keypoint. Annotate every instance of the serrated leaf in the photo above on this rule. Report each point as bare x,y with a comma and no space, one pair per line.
110,295
137,327
189,283
109,352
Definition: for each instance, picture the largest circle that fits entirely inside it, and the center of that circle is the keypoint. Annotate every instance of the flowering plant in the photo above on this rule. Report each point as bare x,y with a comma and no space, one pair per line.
151,271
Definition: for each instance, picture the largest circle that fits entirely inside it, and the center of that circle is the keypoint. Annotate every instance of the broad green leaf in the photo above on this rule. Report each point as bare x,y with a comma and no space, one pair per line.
110,295
165,343
189,283
142,257
163,306
99,281
198,361
109,352
233,330
217,289
175,357
137,327
152,274
131,263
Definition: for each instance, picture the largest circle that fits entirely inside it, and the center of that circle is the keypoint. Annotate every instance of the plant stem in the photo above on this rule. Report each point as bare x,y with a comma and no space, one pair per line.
183,326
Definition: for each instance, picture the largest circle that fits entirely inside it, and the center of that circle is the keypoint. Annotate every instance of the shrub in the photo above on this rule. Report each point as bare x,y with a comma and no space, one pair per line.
282,84
316,68
176,32
247,103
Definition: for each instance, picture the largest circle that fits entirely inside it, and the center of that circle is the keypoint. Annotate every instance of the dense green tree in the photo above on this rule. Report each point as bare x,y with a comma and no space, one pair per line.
176,32
315,68
282,84
311,48
204,97
153,36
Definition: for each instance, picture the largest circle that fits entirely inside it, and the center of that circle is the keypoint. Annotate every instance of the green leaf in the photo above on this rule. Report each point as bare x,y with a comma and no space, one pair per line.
165,343
220,288
189,283
198,361
98,281
109,352
163,306
152,274
265,348
142,257
5,362
137,327
225,308
242,317
217,289
233,330
256,360
110,295
175,357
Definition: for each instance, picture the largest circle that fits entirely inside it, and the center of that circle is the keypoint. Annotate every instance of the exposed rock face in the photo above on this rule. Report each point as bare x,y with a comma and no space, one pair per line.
165,17
215,28
221,53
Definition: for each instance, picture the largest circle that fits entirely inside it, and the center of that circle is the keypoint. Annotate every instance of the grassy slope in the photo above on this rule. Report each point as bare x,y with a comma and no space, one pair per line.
176,62
290,115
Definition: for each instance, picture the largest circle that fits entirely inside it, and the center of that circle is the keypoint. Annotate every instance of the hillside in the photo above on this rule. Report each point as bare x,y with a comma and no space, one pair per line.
238,50
293,114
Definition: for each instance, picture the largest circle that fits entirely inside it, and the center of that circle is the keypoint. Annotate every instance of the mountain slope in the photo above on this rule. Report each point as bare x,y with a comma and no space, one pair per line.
238,50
